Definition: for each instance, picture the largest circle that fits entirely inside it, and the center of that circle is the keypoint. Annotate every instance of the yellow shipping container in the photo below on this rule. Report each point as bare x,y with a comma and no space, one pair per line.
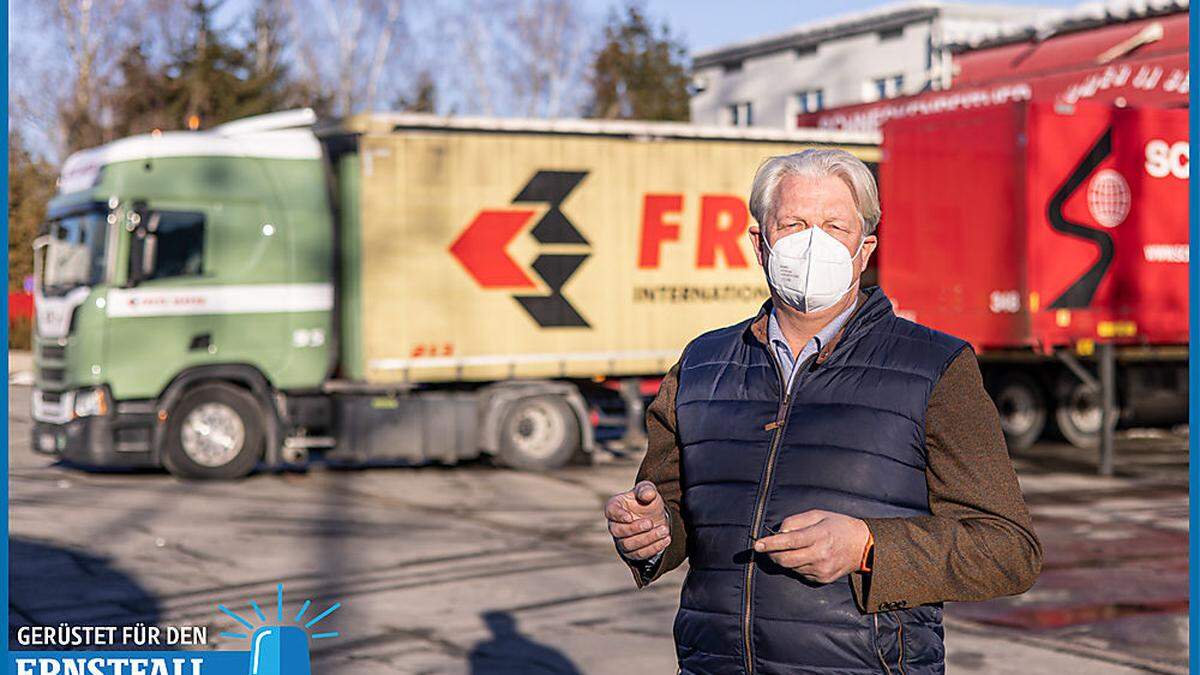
496,249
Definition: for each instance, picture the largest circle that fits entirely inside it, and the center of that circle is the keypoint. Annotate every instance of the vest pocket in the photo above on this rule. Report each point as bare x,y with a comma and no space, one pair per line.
922,637
888,637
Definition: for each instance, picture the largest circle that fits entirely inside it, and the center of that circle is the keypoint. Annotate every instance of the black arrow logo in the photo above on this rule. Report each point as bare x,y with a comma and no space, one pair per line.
553,187
553,310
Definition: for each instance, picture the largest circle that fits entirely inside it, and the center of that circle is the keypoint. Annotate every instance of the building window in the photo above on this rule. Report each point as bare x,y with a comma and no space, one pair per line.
885,87
810,101
891,34
741,114
805,50
732,67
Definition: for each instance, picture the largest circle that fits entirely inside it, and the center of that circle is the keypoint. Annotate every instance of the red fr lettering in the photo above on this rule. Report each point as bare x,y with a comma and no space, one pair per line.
723,220
655,228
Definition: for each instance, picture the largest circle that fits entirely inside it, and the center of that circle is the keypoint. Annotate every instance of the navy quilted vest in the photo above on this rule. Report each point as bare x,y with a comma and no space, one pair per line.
853,442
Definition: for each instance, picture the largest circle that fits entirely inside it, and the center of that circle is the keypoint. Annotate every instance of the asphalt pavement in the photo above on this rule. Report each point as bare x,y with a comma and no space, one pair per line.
476,569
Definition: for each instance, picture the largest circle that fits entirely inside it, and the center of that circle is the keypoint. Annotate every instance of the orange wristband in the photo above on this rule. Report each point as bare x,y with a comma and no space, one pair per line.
863,566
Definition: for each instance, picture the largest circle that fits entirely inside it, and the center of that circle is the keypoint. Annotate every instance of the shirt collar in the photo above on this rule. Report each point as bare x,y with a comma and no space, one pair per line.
823,336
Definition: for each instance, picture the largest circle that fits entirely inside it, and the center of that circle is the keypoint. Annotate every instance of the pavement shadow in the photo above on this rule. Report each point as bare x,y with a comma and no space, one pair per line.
510,652
50,584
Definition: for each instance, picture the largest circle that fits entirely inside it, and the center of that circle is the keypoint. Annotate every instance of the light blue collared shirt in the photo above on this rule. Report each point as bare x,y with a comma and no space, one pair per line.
784,351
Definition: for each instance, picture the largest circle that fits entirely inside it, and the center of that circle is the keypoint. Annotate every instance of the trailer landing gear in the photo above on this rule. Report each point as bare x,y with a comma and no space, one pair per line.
1087,407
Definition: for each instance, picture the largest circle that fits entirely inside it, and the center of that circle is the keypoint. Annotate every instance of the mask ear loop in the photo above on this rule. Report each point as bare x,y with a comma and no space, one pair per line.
863,223
852,258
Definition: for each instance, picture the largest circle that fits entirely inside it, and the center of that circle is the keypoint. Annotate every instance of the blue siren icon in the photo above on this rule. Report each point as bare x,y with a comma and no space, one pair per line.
277,648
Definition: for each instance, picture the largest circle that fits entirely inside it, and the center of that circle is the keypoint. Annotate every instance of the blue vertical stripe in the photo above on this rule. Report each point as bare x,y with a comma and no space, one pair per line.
4,332
1193,367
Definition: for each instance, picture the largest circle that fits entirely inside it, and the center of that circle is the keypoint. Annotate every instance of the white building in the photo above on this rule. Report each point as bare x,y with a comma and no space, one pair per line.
894,50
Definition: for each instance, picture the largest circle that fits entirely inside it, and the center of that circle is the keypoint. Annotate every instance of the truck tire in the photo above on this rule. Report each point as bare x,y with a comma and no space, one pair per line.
1078,414
215,432
1022,407
539,433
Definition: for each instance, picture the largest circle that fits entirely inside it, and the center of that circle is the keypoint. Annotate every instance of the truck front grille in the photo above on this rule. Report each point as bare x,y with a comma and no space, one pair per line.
52,376
51,352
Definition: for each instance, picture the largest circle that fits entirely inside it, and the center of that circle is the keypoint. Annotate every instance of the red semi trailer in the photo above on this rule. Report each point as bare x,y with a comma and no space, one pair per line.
1038,232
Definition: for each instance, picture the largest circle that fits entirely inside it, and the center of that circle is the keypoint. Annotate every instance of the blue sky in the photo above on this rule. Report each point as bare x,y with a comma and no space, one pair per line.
705,24
711,23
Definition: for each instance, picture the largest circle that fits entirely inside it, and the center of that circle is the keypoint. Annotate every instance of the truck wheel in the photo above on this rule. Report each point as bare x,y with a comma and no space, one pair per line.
215,432
1078,415
539,433
1022,408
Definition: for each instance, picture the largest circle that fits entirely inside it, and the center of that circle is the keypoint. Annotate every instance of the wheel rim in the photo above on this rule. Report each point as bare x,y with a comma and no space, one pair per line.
1018,409
1083,410
213,434
538,430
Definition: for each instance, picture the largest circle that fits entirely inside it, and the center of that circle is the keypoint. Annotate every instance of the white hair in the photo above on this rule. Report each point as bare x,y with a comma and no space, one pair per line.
816,163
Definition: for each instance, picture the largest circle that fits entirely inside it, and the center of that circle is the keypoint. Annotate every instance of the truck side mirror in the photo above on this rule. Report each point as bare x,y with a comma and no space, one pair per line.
143,225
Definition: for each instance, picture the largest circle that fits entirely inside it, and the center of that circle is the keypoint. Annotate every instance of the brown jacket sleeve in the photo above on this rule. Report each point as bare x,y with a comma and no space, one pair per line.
661,467
979,542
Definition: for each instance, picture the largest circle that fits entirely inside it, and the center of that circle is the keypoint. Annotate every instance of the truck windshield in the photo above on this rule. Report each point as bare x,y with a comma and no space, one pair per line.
73,254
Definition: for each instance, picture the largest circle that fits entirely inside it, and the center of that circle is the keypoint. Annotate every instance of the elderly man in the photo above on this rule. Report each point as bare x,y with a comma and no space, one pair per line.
833,473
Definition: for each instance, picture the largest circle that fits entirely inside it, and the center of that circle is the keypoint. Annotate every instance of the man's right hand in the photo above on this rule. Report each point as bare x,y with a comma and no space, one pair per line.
637,520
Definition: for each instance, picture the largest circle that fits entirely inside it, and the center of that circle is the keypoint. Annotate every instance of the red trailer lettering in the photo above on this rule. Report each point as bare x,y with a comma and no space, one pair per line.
656,229
1167,159
723,221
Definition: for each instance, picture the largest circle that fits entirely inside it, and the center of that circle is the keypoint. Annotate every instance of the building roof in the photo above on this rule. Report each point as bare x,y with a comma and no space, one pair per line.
965,18
1058,21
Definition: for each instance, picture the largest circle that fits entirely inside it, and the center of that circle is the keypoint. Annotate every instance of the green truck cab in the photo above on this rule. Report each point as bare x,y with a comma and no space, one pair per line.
181,280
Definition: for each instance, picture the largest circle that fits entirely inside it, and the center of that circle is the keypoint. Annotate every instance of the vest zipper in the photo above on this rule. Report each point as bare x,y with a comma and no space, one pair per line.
764,490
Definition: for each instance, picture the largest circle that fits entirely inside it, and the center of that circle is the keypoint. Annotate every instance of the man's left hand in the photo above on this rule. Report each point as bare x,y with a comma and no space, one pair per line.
820,546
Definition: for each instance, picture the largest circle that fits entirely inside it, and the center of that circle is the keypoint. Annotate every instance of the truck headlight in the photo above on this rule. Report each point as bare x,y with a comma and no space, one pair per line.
89,402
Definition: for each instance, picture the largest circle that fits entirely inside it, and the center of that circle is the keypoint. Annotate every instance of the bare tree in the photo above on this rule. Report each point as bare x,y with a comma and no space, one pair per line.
383,48
84,28
165,25
476,43
94,33
349,49
549,48
34,57
73,42
525,57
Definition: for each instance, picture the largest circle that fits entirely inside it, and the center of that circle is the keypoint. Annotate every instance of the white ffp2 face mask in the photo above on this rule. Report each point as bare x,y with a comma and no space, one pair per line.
810,270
